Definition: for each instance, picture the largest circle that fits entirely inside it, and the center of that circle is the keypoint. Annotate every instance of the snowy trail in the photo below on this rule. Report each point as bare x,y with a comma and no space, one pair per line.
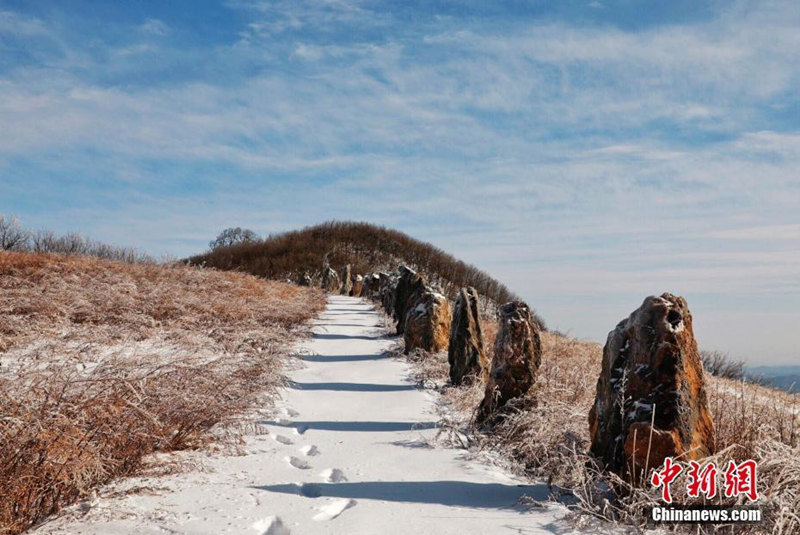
347,455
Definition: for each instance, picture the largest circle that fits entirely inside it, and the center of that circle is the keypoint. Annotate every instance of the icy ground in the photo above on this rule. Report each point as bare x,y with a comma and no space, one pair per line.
349,453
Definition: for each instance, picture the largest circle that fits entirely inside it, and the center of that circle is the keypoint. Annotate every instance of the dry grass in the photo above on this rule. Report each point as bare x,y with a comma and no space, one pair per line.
366,247
102,363
547,436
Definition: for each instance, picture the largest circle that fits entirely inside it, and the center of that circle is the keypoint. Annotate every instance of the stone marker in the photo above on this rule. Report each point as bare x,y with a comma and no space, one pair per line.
651,365
387,288
372,285
358,286
517,356
330,280
347,281
427,321
408,282
465,352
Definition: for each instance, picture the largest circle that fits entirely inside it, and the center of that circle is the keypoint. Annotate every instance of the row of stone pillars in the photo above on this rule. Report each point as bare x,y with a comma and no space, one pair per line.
650,400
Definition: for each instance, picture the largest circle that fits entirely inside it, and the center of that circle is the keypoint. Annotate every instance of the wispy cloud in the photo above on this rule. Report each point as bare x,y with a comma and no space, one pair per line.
589,160
154,27
12,23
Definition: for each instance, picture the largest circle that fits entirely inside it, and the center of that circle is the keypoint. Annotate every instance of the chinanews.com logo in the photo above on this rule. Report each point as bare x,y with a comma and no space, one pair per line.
738,479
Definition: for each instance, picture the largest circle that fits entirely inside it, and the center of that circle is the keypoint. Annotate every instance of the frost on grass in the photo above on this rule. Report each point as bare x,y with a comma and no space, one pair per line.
103,363
546,435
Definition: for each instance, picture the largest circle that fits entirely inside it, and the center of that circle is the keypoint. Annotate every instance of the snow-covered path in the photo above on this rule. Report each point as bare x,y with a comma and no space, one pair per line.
349,455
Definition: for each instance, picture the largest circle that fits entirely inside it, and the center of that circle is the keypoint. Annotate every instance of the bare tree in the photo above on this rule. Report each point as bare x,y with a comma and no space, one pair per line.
721,365
44,241
12,235
232,236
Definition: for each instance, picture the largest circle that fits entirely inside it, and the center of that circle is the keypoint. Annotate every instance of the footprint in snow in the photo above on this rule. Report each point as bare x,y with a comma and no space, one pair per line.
333,475
291,413
299,463
334,509
283,440
309,450
271,525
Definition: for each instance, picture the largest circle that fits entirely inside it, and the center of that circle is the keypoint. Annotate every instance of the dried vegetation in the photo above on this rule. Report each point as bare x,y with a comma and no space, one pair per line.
366,247
546,436
103,363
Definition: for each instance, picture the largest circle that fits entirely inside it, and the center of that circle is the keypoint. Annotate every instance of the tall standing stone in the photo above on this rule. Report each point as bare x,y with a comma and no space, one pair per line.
365,285
372,285
427,321
330,280
517,356
466,353
358,286
387,290
347,281
651,373
407,284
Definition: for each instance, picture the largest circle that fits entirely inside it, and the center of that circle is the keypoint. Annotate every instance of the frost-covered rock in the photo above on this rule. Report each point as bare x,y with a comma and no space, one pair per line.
372,285
388,285
465,352
517,356
358,286
347,281
427,320
408,282
330,280
651,365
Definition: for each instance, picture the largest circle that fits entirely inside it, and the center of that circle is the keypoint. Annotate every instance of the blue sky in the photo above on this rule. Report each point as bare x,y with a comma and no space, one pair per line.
586,153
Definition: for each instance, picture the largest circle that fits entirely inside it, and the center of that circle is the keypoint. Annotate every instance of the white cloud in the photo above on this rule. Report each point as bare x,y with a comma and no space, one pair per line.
15,24
572,161
154,27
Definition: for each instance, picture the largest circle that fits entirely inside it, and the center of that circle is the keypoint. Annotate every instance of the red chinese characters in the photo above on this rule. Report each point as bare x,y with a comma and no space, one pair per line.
739,479
702,481
742,478
665,477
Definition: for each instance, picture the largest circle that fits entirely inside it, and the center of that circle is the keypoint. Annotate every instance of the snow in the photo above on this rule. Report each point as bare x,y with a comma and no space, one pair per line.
340,456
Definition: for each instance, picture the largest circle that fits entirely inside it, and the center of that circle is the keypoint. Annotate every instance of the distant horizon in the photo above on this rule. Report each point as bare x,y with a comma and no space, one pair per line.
585,153
749,363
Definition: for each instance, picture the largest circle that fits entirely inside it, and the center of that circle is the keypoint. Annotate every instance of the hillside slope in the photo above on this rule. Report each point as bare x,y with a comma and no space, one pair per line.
548,437
354,448
367,247
102,363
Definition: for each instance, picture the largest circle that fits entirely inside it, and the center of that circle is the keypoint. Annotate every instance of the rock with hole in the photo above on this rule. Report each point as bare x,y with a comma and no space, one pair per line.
651,373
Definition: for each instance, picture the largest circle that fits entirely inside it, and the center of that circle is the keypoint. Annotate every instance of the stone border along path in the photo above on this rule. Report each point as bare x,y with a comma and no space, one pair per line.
349,454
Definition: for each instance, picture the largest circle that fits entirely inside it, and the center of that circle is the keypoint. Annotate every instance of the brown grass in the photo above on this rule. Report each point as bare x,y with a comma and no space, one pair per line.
102,363
366,247
547,437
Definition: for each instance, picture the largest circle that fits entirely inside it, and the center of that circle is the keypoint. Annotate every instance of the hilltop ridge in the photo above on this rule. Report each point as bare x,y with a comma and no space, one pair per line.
366,247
